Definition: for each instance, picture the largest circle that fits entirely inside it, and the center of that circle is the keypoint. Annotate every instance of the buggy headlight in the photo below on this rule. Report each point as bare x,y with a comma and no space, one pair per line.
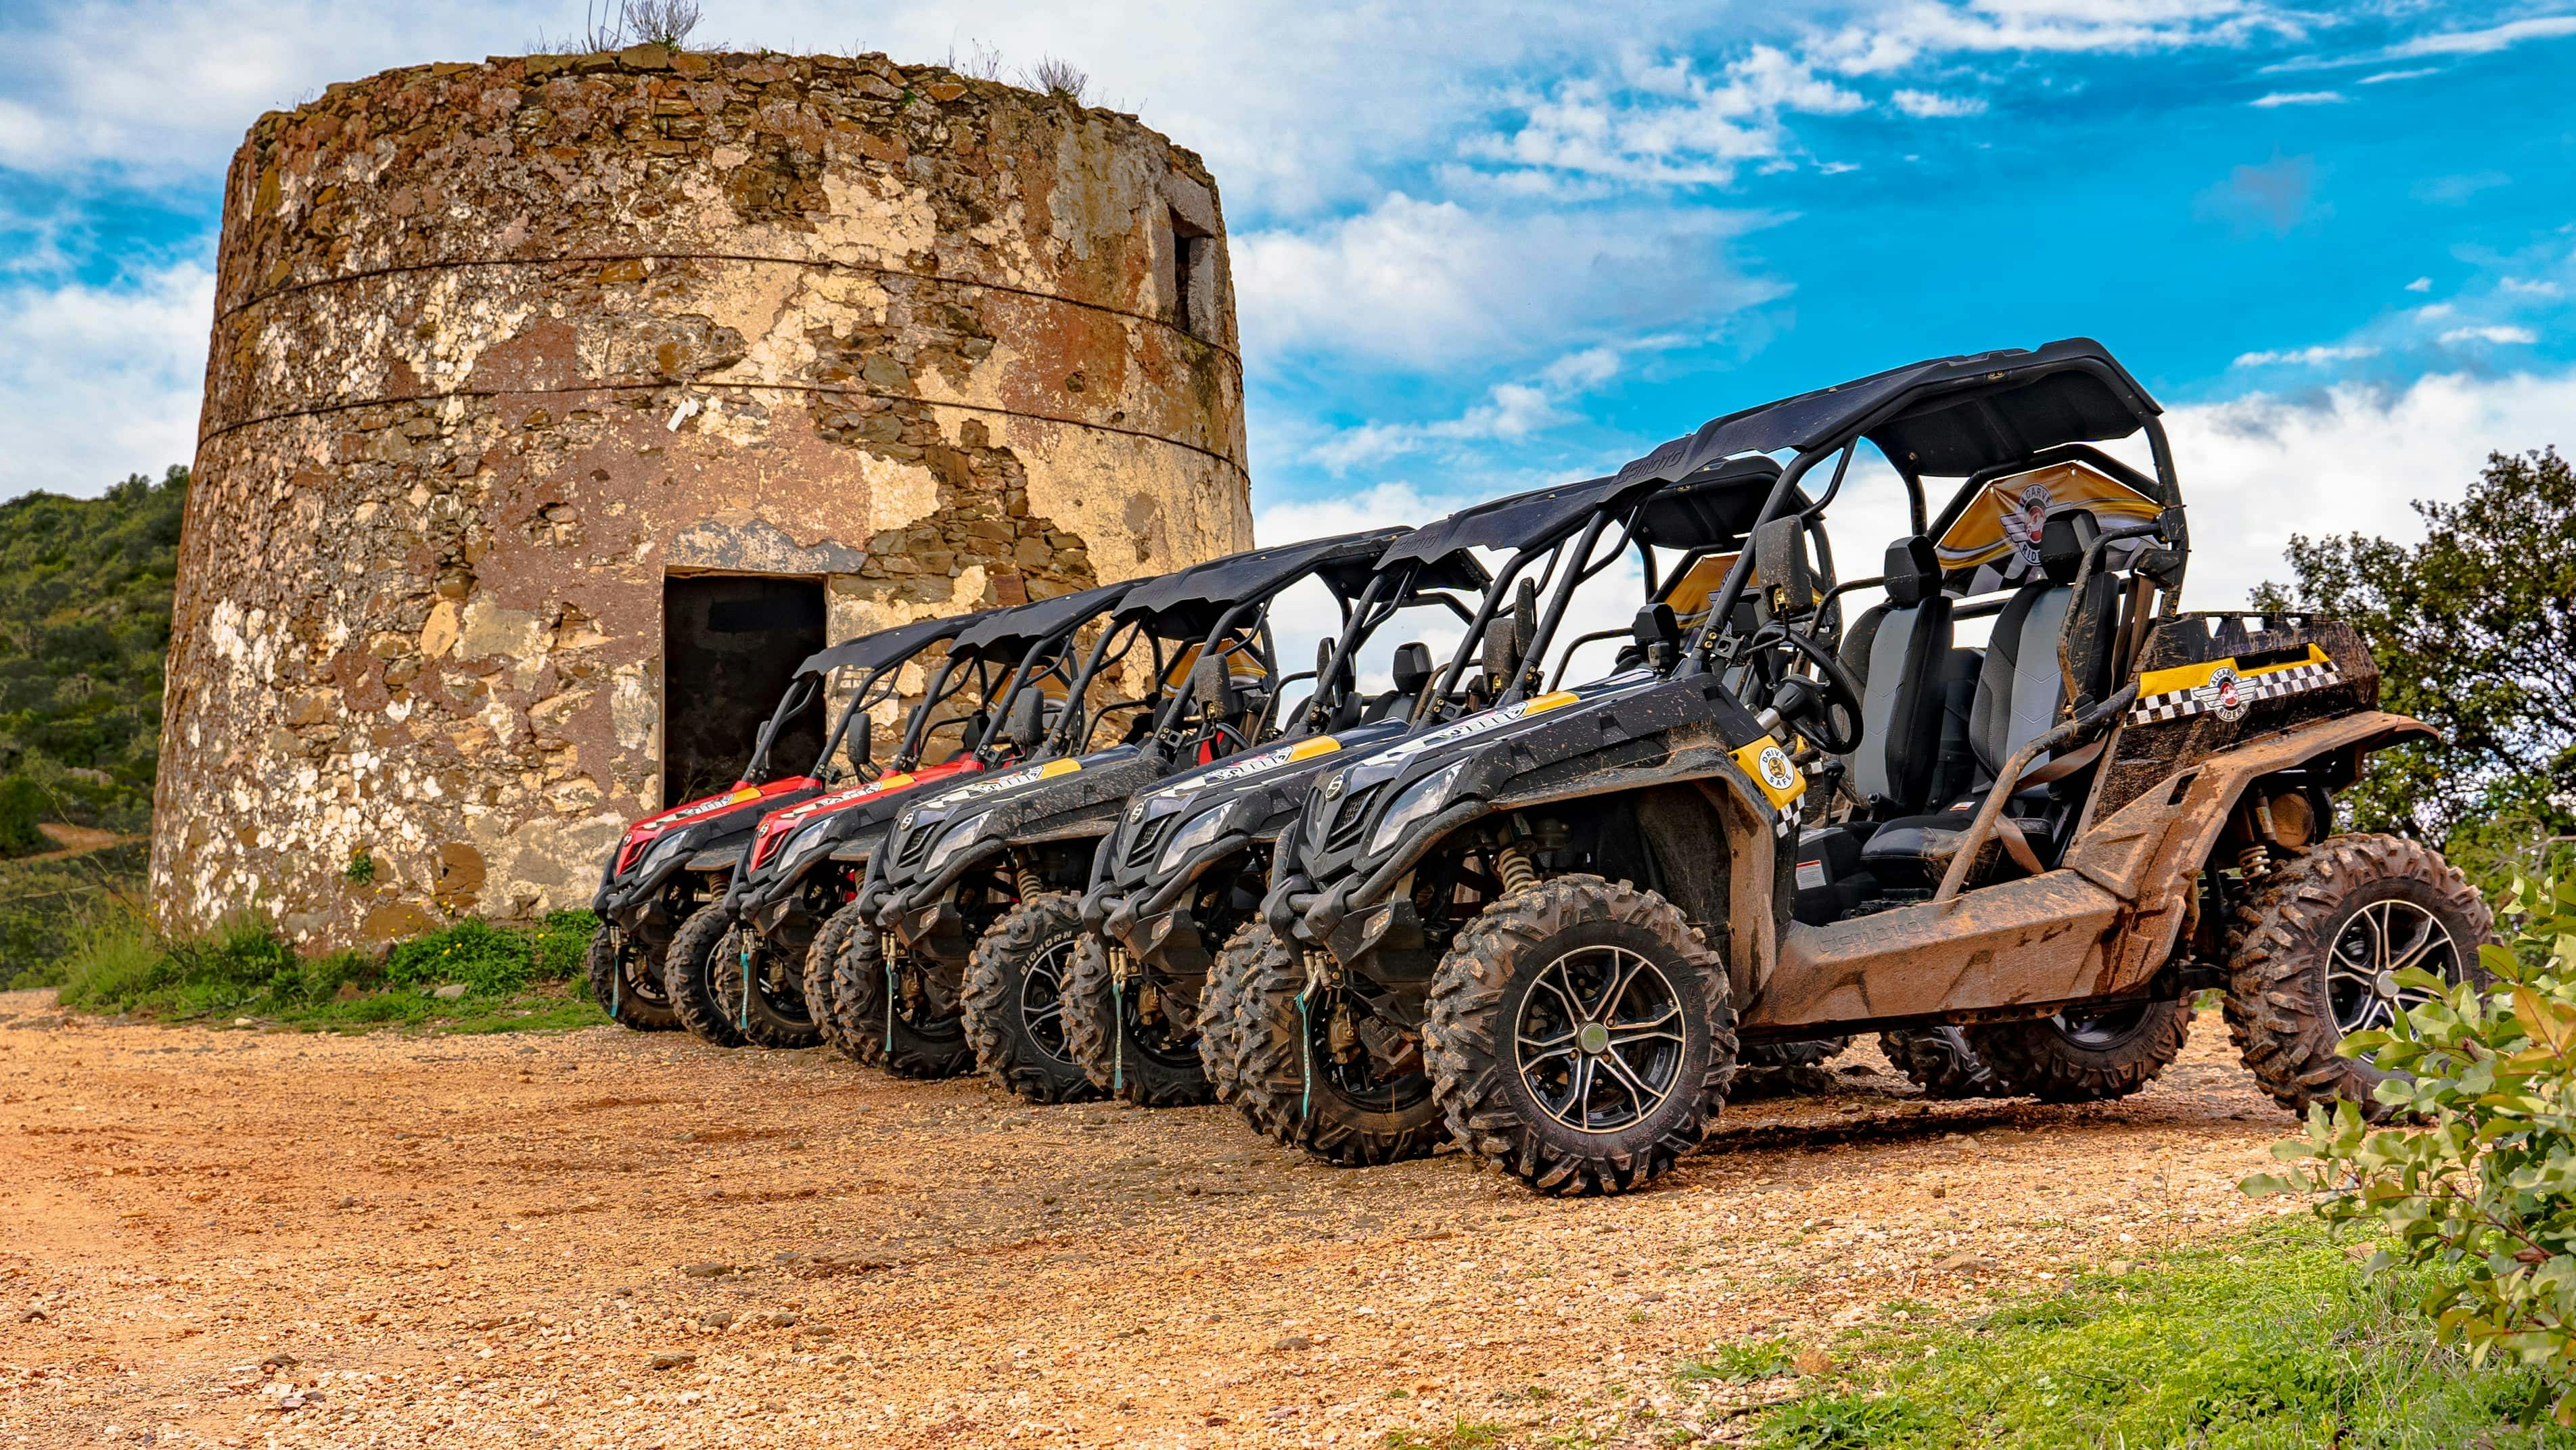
959,837
670,848
1419,801
807,844
1206,827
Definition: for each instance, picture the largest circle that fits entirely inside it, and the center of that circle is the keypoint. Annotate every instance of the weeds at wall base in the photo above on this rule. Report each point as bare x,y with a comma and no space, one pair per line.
245,973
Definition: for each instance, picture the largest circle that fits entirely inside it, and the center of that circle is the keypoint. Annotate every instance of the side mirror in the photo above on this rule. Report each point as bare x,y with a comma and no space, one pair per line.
1211,686
1655,625
1780,566
1524,619
1412,668
1028,719
1500,658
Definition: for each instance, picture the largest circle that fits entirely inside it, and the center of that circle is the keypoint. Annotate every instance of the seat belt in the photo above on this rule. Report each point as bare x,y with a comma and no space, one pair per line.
2060,767
2016,844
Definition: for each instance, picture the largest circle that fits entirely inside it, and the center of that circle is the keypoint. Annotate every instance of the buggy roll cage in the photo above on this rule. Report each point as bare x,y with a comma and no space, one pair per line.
1564,524
1032,636
1224,605
1976,417
880,658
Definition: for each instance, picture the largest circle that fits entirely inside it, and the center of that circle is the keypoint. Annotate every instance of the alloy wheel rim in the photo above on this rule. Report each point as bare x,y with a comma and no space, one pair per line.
1042,1002
1599,1039
2372,946
2102,1031
640,982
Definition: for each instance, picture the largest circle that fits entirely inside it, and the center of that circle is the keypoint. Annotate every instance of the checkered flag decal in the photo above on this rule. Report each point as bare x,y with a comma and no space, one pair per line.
2251,690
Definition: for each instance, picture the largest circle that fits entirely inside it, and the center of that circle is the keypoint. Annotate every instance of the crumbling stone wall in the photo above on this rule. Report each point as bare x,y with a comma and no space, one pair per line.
498,347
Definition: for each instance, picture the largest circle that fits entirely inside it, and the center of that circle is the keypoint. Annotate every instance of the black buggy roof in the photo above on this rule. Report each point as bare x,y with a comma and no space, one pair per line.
1951,416
889,646
1005,633
1187,604
1713,507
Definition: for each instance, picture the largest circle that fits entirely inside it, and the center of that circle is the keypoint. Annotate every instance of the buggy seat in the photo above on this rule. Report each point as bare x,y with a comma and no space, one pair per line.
2020,693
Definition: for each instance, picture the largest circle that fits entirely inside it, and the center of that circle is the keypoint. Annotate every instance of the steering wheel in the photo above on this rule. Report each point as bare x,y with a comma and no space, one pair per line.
1831,700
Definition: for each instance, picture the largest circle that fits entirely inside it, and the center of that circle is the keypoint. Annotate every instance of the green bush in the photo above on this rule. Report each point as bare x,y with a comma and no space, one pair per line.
484,957
2476,1182
22,805
563,946
245,968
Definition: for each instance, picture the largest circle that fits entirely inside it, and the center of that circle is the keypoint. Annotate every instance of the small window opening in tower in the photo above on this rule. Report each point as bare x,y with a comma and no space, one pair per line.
1190,280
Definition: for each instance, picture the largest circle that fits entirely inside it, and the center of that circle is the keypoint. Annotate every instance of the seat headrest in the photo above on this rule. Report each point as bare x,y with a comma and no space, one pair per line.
2062,543
1913,571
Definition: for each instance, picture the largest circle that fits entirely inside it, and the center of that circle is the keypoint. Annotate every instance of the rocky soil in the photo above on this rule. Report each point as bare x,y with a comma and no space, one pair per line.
256,1238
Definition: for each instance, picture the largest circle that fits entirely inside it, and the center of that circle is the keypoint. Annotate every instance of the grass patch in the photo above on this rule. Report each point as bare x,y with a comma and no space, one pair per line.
1737,1364
2275,1339
49,909
513,978
1461,1434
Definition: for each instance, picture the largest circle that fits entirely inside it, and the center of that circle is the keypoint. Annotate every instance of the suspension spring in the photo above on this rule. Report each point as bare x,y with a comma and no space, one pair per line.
2253,861
1513,864
1030,885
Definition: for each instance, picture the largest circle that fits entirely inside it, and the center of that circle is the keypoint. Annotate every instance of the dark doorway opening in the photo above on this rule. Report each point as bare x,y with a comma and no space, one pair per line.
730,644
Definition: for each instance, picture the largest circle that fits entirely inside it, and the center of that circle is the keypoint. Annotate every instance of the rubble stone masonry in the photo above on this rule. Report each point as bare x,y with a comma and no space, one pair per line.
498,348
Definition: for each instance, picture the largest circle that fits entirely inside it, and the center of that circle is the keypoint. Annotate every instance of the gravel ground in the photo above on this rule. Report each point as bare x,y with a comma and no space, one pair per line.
604,1238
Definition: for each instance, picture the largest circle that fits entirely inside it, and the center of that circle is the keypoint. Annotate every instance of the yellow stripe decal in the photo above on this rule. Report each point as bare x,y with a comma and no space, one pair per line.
1309,749
2192,677
1054,768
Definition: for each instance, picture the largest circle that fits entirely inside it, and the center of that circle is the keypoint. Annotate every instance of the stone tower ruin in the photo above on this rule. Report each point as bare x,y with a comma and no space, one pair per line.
556,405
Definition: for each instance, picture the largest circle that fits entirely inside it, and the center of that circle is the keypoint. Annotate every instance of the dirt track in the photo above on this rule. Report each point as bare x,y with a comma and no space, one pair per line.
251,1238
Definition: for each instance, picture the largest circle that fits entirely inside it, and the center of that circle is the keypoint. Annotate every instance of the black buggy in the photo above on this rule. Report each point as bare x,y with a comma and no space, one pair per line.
749,959
668,866
1181,875
973,900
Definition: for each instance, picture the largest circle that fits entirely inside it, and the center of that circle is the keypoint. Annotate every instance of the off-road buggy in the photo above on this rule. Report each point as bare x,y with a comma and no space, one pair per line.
1587,901
1337,1068
667,866
1183,869
736,970
973,900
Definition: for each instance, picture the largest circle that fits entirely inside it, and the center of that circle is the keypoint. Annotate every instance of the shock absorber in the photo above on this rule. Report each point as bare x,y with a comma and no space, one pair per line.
1030,885
2253,861
1512,863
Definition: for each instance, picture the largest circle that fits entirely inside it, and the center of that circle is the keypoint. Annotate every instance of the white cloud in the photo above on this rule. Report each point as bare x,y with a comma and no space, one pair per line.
102,381
1928,105
2400,75
1428,283
2261,468
2495,334
2531,287
1666,122
2481,42
1898,37
2298,98
2307,356
2420,284
1509,412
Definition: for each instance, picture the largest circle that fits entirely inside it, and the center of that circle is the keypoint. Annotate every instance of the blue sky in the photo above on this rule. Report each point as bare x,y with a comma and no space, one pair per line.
1480,247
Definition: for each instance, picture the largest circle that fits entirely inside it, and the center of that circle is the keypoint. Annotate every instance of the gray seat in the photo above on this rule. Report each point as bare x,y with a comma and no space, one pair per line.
1896,650
2021,690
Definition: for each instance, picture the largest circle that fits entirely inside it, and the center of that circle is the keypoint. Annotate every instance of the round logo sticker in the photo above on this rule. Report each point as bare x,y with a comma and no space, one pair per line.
2224,695
1776,773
